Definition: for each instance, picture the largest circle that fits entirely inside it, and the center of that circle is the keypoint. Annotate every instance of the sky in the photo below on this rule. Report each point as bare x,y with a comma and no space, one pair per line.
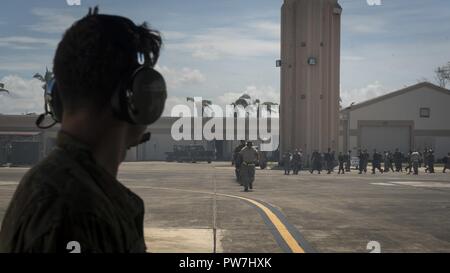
221,49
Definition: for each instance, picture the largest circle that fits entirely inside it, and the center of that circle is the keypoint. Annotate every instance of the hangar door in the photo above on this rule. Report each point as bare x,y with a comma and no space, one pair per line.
386,138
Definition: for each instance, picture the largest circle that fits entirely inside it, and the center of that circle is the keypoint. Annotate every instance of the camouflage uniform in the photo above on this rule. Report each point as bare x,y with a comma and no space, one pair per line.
316,162
342,159
247,173
398,161
415,159
69,197
296,162
348,161
287,163
446,162
363,160
376,162
408,160
237,160
329,161
430,162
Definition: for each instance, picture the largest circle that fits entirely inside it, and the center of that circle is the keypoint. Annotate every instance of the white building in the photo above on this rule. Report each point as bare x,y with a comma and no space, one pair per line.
22,143
415,117
411,118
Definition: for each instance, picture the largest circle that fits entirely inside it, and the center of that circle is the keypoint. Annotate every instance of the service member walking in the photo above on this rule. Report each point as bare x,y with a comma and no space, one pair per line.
363,161
398,157
348,161
430,161
296,162
249,158
415,159
342,160
376,162
286,163
446,162
316,162
329,159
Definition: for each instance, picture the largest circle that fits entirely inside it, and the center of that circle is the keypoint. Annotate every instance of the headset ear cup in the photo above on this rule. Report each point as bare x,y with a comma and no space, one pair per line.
119,103
147,96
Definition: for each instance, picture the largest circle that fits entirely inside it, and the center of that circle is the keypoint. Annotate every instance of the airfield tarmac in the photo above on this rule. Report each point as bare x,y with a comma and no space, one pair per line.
200,208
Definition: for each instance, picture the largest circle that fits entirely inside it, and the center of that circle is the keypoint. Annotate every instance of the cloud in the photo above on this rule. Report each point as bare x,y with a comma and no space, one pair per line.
263,93
251,40
26,96
173,35
350,58
171,102
20,66
51,20
177,78
267,28
357,95
24,63
26,42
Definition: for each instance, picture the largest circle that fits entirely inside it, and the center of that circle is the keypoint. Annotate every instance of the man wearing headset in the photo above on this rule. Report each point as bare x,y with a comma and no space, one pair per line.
105,94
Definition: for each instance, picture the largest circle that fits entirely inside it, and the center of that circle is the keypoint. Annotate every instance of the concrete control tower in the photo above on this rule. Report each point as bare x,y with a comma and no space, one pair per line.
310,60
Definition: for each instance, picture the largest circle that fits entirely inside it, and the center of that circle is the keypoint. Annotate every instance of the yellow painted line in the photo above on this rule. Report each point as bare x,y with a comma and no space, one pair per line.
287,236
284,232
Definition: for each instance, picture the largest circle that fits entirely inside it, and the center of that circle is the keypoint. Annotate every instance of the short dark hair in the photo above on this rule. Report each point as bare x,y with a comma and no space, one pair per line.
97,54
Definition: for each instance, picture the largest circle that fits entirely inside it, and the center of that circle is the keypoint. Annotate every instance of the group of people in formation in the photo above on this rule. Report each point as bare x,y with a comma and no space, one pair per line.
391,161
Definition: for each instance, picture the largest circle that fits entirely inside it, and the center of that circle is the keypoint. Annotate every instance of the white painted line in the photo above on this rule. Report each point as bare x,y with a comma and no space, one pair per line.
422,184
383,184
8,183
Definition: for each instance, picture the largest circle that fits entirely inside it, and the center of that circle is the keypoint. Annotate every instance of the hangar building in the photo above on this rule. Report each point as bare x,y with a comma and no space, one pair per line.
417,116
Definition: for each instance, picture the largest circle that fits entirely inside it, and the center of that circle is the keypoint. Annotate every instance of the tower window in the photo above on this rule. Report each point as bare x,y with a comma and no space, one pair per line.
425,112
312,61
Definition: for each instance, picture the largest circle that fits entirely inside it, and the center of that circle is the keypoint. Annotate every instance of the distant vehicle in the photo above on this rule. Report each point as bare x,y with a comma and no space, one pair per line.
190,153
354,162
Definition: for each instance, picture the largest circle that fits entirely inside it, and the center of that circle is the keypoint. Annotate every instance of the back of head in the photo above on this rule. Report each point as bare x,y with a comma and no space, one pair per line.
97,54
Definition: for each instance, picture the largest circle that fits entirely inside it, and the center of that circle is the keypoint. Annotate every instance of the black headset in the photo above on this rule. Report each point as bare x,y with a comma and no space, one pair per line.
138,99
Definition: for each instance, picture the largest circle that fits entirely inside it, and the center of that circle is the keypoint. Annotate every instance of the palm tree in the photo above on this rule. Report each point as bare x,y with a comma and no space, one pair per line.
205,104
46,79
239,103
244,101
269,105
191,99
